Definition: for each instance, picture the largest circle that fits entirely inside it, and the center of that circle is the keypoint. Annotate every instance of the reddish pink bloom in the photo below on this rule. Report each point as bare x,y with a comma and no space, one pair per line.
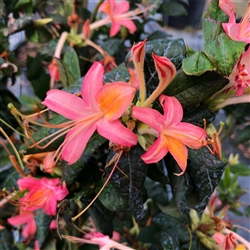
241,73
173,135
119,15
236,31
99,109
43,193
229,243
27,218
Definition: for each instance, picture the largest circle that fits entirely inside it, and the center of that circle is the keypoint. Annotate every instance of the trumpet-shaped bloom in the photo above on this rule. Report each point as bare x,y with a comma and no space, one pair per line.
43,193
118,13
173,135
99,109
236,31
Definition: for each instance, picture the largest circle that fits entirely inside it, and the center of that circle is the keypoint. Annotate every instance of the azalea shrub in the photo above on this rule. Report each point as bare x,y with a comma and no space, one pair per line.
118,146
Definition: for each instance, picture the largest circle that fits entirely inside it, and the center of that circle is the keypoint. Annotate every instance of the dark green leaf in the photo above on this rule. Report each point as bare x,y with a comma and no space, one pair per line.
224,53
112,46
158,34
118,74
247,211
240,169
101,216
70,58
173,9
9,179
6,240
193,90
156,191
42,226
110,197
66,76
129,179
168,242
156,173
181,185
197,116
210,167
147,234
70,173
38,35
197,64
242,135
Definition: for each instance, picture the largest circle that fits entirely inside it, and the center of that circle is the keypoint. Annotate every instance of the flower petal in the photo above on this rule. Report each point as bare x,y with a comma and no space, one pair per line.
149,116
29,183
114,99
121,7
126,22
115,27
173,111
157,151
189,134
76,141
92,83
179,151
116,132
65,104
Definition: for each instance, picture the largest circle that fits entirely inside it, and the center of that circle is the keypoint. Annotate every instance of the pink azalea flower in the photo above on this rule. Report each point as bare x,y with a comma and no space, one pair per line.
27,218
96,238
99,109
236,31
173,135
241,73
43,193
226,242
118,13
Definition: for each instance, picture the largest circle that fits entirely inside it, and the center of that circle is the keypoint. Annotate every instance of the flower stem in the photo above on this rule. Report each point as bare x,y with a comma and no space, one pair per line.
234,100
60,44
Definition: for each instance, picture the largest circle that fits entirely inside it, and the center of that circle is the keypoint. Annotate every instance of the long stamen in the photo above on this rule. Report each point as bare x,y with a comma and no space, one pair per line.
104,185
14,148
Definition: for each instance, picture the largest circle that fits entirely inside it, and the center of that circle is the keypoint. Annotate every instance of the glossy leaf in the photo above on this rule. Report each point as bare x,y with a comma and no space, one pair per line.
210,167
224,53
129,179
101,216
193,90
110,197
66,75
42,226
240,169
197,64
70,58
7,240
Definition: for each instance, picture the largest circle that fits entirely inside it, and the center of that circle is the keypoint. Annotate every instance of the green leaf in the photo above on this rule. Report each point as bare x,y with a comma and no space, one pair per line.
129,179
41,22
193,90
210,167
247,211
70,58
242,135
212,20
38,34
112,45
42,225
240,169
110,197
22,2
158,34
173,9
224,53
70,173
197,64
6,240
101,216
66,76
